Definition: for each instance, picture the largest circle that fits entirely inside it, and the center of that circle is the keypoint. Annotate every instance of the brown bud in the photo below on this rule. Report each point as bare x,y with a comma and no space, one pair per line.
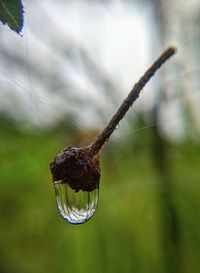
75,167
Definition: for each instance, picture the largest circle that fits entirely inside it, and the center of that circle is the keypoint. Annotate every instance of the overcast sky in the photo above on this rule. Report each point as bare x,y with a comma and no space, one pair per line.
82,58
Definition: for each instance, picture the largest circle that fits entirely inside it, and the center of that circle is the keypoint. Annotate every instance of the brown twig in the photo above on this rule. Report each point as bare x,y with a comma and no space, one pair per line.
127,103
79,167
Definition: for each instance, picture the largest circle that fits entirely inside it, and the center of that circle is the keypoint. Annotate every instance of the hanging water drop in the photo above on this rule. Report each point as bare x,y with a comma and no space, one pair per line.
76,177
75,207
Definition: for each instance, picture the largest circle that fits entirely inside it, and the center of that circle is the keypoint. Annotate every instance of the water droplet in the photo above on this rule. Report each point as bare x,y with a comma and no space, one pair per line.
75,207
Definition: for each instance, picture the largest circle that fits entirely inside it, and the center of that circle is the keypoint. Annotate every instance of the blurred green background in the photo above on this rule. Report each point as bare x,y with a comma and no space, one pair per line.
144,222
60,83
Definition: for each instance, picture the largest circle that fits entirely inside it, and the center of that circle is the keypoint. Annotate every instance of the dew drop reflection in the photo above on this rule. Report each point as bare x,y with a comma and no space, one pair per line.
75,207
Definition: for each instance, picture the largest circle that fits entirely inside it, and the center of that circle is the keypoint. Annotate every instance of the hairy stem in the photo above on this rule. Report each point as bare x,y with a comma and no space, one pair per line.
127,103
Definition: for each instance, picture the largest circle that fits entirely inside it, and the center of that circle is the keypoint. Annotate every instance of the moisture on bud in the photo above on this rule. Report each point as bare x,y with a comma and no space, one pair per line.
76,181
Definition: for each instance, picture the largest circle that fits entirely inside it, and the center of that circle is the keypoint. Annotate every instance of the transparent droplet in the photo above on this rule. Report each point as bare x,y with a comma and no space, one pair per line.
75,207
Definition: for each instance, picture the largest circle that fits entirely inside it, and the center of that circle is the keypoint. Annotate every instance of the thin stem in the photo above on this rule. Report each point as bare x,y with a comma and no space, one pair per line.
128,102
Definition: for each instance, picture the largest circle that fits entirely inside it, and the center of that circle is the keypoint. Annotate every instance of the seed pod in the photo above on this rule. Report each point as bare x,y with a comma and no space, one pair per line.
75,167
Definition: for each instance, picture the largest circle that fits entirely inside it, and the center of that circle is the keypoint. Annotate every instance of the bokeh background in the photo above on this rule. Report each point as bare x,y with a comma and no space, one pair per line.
60,83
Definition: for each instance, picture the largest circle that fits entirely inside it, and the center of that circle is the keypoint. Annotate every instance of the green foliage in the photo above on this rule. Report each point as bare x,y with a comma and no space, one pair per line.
12,13
125,235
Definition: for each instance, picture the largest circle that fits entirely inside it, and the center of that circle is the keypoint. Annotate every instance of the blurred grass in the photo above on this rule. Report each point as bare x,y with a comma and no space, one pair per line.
125,235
